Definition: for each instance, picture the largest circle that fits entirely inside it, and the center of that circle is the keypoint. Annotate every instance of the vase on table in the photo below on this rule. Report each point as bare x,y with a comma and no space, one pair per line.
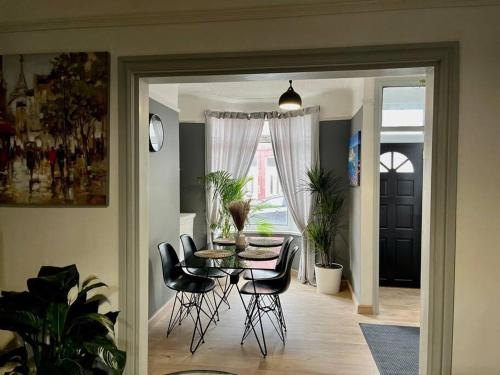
240,241
239,211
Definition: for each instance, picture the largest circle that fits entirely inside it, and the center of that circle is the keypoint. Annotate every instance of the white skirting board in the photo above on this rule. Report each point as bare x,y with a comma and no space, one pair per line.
156,317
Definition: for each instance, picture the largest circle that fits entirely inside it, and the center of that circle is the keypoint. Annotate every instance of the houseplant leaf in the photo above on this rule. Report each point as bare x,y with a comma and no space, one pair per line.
106,350
56,319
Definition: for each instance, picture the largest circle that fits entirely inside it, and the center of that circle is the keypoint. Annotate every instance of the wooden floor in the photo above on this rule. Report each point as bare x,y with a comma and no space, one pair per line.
323,337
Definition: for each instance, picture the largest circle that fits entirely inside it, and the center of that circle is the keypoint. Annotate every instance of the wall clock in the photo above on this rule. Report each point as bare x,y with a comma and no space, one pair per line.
156,133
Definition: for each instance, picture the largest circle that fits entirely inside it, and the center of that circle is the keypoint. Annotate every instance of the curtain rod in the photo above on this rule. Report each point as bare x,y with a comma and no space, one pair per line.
260,115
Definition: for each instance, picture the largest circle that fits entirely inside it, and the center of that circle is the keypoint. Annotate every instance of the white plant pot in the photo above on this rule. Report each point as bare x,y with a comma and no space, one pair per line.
328,279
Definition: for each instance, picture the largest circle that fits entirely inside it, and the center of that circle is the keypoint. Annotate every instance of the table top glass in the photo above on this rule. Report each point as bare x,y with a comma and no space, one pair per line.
232,262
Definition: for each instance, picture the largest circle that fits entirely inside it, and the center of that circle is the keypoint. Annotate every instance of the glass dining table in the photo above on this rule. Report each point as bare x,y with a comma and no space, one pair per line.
232,262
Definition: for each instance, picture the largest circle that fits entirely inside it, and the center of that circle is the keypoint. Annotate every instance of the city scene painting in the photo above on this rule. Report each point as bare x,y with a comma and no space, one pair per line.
54,129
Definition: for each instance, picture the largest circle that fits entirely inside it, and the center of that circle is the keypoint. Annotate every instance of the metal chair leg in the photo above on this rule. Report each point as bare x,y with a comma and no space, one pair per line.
169,326
281,312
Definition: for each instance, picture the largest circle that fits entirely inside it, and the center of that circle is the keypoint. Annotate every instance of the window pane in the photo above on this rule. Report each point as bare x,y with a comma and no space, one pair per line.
406,167
398,159
386,160
266,189
265,129
403,106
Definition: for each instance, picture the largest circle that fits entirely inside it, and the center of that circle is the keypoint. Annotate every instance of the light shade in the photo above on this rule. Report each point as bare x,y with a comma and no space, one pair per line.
290,100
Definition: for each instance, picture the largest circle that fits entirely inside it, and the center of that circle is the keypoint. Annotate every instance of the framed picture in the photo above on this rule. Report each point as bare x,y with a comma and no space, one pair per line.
54,129
354,166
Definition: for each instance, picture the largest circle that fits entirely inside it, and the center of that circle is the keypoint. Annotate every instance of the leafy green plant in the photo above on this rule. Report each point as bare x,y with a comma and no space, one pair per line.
226,190
61,330
327,219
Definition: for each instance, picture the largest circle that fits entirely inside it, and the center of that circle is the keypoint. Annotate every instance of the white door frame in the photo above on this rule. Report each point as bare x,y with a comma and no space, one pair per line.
379,85
133,182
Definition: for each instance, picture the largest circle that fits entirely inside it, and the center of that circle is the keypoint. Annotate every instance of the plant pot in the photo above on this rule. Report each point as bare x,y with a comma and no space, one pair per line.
240,241
328,278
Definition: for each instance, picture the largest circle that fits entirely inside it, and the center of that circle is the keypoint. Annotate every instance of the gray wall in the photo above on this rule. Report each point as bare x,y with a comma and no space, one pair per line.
334,136
355,215
192,167
333,148
164,207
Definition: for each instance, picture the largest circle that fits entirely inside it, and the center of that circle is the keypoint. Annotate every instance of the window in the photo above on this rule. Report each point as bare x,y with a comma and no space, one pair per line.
403,106
265,189
395,161
402,111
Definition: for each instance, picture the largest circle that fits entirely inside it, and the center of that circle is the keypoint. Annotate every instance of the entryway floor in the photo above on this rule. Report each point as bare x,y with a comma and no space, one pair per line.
401,304
324,337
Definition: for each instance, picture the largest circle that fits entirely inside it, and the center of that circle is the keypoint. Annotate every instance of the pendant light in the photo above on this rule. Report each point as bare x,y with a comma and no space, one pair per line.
290,100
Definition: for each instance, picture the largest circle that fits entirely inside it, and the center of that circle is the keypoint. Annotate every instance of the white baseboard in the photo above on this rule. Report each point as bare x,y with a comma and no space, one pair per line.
156,317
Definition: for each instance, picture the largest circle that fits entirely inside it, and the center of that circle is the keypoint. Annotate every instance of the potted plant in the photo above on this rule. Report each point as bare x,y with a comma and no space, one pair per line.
226,190
59,327
326,222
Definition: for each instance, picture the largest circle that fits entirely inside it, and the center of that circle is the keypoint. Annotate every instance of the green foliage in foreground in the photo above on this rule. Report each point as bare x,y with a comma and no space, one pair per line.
61,330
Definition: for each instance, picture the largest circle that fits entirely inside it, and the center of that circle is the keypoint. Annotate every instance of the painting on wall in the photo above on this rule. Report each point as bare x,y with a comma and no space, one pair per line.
54,129
354,167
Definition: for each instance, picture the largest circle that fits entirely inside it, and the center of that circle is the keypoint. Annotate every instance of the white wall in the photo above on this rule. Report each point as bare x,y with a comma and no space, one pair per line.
89,237
166,94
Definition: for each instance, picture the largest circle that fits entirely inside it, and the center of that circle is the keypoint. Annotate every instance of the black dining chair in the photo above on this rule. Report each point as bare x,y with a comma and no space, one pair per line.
190,293
278,269
189,254
266,301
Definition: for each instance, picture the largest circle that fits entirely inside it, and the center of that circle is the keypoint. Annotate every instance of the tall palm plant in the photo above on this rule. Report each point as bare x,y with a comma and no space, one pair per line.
327,219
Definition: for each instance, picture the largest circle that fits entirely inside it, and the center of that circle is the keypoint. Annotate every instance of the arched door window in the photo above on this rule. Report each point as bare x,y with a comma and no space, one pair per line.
395,161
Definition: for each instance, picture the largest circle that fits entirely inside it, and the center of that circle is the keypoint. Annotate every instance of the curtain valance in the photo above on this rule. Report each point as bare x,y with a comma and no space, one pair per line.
261,115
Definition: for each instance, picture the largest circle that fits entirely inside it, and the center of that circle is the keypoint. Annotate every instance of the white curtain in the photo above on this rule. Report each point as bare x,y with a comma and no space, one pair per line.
231,139
295,139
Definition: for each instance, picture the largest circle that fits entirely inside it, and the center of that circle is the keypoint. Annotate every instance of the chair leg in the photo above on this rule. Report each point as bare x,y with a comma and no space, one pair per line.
225,291
216,307
280,311
176,317
198,326
254,318
169,326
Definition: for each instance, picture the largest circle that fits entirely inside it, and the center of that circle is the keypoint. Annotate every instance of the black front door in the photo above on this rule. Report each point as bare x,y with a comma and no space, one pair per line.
401,166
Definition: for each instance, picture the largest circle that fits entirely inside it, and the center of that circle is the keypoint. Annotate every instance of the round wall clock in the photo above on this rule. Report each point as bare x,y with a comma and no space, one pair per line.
156,133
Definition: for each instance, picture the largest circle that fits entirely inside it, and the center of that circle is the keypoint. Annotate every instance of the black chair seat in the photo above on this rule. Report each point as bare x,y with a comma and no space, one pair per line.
261,287
207,272
191,284
260,274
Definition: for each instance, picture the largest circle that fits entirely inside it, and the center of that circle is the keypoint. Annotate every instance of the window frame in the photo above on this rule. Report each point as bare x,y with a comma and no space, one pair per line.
290,228
387,131
392,167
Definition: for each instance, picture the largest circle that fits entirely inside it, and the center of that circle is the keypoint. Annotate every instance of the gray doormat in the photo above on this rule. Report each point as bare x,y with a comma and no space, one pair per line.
394,348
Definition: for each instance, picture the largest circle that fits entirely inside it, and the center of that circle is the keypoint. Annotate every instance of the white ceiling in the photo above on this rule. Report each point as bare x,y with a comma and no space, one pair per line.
264,91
